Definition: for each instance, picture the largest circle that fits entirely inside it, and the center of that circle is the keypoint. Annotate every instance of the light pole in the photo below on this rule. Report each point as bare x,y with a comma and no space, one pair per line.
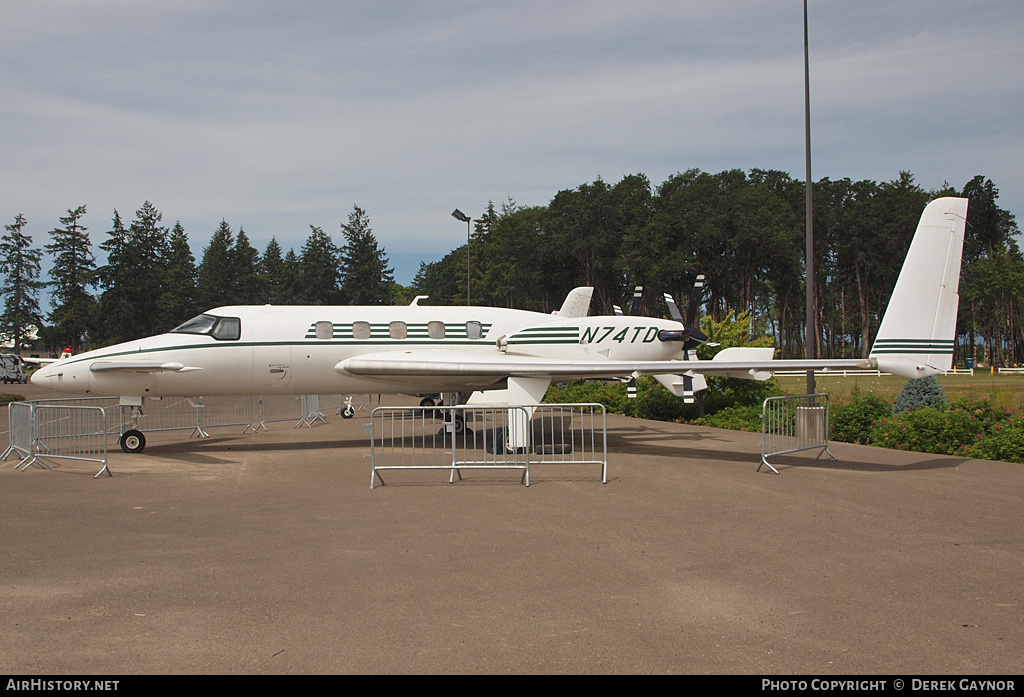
463,218
811,334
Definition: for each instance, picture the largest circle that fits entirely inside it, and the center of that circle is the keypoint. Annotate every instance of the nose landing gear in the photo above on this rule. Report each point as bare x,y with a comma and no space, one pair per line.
132,441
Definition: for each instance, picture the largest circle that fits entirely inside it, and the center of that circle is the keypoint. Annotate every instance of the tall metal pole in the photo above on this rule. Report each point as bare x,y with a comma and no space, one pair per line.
810,340
462,217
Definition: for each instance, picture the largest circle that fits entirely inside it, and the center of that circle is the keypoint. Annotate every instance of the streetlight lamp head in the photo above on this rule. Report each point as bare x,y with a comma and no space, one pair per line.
460,216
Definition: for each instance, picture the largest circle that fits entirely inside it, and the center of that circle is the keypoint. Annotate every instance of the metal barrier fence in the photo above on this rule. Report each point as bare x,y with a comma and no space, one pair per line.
571,434
43,432
273,408
794,423
70,433
182,413
78,428
201,413
19,420
487,437
310,407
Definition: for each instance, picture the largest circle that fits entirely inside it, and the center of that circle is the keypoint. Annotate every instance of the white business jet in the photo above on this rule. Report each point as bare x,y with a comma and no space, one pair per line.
456,351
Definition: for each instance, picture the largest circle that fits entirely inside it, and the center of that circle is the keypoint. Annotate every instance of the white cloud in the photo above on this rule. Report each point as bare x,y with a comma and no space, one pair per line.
276,115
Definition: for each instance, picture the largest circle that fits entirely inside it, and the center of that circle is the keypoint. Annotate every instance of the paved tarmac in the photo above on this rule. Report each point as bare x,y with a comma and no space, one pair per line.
269,553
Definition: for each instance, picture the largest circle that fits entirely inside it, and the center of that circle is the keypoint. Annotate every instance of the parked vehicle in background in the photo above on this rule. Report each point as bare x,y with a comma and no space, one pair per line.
12,368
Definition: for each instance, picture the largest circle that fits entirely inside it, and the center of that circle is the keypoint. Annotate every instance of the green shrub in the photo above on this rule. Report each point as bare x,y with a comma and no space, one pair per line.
8,397
922,430
980,410
655,402
950,432
725,393
739,418
611,394
1003,441
851,423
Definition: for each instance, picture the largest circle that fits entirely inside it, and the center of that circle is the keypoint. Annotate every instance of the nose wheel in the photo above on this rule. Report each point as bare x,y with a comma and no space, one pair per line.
132,441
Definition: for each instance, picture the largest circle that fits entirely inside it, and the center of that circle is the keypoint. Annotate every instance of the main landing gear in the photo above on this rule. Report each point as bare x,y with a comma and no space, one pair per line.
454,422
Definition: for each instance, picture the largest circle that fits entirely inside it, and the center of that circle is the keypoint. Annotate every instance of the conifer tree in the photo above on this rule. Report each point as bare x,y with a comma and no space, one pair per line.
290,291
216,271
925,392
178,300
133,277
246,271
72,274
21,265
318,270
271,271
115,278
368,279
147,253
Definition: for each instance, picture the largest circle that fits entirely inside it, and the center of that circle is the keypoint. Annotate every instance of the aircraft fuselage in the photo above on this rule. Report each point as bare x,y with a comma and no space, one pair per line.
297,349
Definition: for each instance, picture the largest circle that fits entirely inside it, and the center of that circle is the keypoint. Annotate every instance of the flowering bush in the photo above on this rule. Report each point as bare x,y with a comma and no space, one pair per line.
1003,442
921,430
974,428
851,423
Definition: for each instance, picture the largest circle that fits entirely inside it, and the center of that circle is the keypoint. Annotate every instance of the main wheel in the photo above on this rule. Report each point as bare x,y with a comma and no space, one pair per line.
132,441
426,402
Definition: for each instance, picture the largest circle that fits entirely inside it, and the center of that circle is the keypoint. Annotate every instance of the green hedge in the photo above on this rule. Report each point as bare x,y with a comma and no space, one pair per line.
972,428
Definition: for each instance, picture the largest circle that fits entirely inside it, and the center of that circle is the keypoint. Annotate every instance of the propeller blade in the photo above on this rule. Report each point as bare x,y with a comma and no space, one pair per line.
631,388
617,310
690,334
638,295
697,335
694,306
688,390
672,309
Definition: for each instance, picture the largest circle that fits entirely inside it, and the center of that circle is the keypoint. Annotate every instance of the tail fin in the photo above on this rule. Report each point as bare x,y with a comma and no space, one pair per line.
918,331
577,303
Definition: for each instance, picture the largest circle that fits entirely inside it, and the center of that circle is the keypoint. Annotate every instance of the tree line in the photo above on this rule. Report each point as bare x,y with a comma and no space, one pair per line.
743,230
151,282
746,232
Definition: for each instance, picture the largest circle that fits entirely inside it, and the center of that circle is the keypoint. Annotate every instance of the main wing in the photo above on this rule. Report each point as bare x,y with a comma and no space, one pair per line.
402,366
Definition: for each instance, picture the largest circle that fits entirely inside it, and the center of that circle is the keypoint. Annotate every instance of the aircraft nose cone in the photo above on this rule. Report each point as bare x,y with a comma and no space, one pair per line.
40,377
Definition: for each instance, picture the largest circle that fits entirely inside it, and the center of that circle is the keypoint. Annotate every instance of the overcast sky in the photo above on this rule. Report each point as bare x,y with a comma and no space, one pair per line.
280,115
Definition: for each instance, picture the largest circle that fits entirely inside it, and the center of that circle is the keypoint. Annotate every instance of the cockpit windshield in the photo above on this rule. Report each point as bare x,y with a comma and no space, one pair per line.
220,328
197,325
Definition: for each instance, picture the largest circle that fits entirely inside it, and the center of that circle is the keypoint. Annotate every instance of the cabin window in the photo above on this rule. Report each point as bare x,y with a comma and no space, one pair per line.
325,330
227,329
397,330
474,330
360,330
435,330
